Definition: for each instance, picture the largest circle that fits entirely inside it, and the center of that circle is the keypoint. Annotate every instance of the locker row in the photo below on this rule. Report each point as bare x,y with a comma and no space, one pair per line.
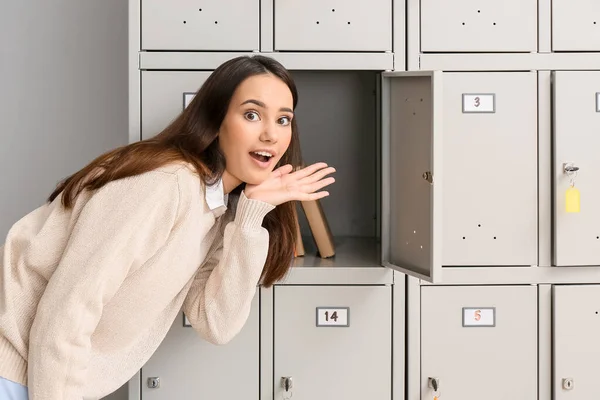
436,169
338,342
358,26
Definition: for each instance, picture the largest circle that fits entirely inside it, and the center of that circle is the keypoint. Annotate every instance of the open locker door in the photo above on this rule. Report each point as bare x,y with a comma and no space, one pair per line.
411,143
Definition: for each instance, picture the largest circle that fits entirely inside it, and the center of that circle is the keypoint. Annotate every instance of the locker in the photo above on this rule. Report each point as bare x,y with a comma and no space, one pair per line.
576,96
475,26
185,365
216,25
479,342
576,348
333,25
490,168
164,95
460,170
333,342
575,25
337,122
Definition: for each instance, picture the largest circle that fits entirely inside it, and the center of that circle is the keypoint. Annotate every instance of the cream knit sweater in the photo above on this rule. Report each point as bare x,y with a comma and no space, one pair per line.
88,294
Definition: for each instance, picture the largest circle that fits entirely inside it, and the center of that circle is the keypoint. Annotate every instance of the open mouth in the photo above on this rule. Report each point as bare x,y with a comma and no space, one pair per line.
261,156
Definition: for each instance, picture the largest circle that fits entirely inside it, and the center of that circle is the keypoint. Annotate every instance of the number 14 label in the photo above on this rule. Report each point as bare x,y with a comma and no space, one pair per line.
333,316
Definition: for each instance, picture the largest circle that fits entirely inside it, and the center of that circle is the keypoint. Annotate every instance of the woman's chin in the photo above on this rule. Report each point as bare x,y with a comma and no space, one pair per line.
255,179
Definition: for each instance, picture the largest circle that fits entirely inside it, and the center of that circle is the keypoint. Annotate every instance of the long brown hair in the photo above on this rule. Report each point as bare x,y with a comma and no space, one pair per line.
192,137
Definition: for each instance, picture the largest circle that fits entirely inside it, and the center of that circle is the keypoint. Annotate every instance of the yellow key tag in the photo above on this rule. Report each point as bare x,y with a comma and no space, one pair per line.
572,200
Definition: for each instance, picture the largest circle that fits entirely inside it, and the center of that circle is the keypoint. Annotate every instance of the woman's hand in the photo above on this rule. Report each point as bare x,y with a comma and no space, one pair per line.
283,185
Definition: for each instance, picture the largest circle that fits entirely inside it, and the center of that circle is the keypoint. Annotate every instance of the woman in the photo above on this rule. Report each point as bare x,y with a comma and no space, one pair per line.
194,218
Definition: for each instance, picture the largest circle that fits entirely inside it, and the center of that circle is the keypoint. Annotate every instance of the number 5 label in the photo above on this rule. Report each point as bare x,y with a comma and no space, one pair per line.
333,316
478,103
481,316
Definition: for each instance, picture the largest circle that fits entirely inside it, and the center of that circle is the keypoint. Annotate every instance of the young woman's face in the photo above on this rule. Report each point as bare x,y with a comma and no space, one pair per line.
257,129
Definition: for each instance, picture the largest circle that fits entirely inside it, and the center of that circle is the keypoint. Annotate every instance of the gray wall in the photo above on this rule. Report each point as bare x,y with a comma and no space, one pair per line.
63,95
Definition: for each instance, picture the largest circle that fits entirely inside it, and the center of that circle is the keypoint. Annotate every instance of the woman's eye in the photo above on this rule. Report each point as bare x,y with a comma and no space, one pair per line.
284,120
252,116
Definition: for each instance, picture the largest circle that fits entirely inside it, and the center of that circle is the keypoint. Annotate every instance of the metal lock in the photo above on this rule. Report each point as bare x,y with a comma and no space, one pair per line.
567,383
569,168
287,383
434,383
154,382
428,176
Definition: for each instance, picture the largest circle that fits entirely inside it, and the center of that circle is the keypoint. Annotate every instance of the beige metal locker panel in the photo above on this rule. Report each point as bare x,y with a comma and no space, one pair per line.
576,347
575,25
479,26
576,142
490,169
164,96
333,342
412,169
333,25
231,25
479,342
185,367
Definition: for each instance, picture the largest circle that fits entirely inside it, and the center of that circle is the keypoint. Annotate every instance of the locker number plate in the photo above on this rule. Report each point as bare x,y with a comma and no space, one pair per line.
598,102
187,99
478,103
333,316
482,316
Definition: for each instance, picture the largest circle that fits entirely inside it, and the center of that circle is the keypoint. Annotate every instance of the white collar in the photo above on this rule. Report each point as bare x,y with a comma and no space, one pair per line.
216,197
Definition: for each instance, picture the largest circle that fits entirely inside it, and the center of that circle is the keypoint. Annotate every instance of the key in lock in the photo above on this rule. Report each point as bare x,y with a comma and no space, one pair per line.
153,382
434,383
287,383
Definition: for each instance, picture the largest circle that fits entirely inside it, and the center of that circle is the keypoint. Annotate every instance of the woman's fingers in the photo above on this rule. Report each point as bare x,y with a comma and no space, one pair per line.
313,196
313,187
307,171
283,170
318,175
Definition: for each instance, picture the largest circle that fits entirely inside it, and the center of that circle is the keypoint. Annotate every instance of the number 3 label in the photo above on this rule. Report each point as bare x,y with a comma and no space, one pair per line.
333,316
478,103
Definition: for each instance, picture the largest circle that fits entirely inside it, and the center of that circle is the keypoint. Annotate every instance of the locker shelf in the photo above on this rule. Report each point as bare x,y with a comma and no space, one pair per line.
350,252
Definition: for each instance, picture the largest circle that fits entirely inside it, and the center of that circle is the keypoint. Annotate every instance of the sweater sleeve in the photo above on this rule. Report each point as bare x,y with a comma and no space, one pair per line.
218,302
117,230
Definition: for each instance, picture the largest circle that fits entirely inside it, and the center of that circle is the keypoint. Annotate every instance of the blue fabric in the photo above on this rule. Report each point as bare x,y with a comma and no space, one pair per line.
12,391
